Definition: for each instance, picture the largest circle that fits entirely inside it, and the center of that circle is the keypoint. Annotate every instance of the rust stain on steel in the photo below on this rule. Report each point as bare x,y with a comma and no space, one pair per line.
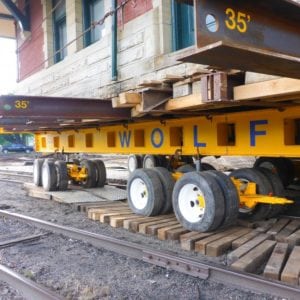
59,107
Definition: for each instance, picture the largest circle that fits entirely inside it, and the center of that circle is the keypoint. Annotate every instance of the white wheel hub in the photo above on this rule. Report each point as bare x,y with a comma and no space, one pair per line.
189,203
149,162
139,193
45,176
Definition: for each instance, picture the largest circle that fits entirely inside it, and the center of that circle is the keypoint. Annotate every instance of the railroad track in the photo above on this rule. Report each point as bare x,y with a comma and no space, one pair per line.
168,260
25,286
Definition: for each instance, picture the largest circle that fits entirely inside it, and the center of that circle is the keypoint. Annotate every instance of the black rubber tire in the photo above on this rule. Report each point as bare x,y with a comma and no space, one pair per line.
91,180
187,159
231,196
62,175
278,189
186,169
214,201
150,161
261,211
37,171
207,167
278,165
101,172
162,161
154,189
136,162
168,183
49,176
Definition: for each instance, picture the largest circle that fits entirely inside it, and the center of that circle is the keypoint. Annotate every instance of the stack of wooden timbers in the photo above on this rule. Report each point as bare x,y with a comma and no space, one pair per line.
267,247
180,95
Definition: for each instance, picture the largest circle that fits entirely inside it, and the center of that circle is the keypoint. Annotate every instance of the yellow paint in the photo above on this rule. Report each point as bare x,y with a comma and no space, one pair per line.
273,133
77,173
237,20
201,201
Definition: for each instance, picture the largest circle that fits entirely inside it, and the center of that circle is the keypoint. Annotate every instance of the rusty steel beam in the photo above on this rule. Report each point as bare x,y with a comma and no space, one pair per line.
60,108
265,33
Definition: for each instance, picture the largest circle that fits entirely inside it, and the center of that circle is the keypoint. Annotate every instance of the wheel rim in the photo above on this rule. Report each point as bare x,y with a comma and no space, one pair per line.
45,176
139,194
149,163
191,203
35,173
132,165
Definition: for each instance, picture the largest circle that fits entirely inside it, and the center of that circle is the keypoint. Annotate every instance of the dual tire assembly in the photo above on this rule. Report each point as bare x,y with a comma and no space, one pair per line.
53,175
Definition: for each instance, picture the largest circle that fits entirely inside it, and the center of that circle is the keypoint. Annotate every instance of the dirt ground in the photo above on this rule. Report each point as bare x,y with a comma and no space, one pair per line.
77,270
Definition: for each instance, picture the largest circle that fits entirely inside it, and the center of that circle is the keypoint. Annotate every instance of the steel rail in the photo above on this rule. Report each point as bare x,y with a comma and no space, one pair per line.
169,260
25,286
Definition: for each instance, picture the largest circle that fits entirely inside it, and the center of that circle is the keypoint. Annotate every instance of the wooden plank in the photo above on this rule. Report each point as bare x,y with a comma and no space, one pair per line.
188,235
95,216
278,226
189,242
117,104
244,239
130,98
143,226
106,209
162,232
264,226
39,194
245,248
137,111
152,229
291,271
200,246
174,234
117,221
245,223
171,78
268,89
255,258
276,262
105,216
187,102
287,230
294,238
219,247
134,225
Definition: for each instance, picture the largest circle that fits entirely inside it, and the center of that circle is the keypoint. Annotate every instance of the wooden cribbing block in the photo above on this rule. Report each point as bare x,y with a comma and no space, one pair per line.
188,235
173,234
294,238
244,239
291,271
278,226
255,258
117,221
152,229
105,217
245,248
189,242
200,246
104,210
130,98
276,262
143,226
218,247
245,223
287,230
264,226
134,224
162,232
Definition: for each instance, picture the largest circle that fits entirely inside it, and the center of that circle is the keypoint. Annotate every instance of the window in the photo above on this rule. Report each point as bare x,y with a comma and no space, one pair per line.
59,29
183,25
93,11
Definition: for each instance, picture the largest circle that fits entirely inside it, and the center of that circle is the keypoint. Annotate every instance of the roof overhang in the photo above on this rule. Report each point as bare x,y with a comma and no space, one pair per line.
7,23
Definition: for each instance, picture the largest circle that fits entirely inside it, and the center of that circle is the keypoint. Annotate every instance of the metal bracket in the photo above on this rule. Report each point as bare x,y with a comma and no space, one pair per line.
23,19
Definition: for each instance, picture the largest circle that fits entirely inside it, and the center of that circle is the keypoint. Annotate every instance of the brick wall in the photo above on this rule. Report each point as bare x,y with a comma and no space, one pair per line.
132,10
30,48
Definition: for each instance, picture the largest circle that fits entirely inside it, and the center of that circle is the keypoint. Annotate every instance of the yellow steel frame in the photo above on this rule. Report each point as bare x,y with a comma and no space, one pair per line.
77,173
249,198
264,133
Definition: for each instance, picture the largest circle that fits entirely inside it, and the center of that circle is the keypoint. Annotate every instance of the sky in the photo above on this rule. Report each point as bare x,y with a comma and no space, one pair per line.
8,65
